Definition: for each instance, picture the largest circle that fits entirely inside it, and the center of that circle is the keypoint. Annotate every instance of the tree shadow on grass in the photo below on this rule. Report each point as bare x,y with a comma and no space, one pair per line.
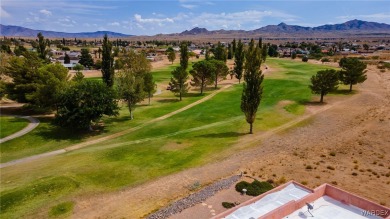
222,135
168,100
52,132
311,103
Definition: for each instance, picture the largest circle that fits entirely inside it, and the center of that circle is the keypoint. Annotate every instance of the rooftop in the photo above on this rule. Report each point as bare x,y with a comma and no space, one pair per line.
290,200
327,207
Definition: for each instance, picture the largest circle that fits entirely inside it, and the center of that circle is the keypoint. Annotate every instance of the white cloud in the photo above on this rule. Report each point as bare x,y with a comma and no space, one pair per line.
139,18
114,24
3,13
188,6
237,19
45,12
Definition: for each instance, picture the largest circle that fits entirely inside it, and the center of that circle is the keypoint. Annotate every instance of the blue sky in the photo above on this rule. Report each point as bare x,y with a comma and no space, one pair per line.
153,17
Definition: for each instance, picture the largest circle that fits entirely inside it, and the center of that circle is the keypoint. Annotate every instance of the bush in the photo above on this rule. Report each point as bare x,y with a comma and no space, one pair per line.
330,167
228,204
325,60
255,188
305,59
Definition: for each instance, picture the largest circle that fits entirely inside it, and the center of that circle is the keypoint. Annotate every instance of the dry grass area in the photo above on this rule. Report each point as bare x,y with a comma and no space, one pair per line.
347,144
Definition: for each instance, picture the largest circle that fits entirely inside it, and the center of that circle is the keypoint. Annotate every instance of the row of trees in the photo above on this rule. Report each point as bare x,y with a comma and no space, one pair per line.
352,72
77,102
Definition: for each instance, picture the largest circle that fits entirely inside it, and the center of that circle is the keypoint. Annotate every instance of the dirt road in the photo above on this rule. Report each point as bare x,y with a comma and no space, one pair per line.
355,129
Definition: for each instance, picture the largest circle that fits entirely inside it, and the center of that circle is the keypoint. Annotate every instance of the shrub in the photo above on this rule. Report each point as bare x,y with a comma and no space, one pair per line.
309,167
255,188
332,153
325,60
228,204
354,174
305,59
330,167
304,182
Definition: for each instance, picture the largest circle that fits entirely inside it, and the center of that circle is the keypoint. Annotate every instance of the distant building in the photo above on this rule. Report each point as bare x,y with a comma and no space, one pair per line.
293,200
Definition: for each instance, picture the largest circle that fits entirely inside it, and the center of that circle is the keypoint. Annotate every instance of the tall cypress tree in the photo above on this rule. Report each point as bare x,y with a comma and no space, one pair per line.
252,89
107,62
239,57
41,49
184,56
260,42
234,46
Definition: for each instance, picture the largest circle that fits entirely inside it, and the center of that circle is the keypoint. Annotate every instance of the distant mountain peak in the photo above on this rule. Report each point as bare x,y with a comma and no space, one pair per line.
195,31
282,24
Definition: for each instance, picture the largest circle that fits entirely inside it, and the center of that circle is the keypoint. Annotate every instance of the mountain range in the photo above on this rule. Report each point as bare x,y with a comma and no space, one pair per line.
14,31
353,27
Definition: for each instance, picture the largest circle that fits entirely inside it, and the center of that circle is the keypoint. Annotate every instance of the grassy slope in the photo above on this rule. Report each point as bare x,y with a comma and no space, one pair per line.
10,125
123,162
47,137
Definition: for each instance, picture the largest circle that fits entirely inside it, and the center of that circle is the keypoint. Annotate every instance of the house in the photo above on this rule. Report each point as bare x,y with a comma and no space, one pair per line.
294,201
73,60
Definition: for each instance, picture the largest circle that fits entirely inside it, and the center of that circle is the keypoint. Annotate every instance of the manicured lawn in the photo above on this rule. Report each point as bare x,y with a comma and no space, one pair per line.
10,125
204,133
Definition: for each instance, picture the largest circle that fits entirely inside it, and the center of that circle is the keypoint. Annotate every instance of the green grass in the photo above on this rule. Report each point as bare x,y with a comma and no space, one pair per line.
33,194
10,125
207,132
62,209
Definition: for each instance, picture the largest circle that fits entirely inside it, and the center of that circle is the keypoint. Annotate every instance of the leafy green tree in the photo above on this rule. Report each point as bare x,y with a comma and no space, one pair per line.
23,71
264,52
252,88
239,58
184,56
202,74
220,52
107,62
41,49
86,59
98,64
294,55
323,82
100,52
85,102
118,64
230,52
130,88
66,59
366,47
260,44
50,80
353,72
220,71
35,83
178,83
130,82
19,50
273,50
5,48
149,85
169,49
79,74
207,53
171,56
